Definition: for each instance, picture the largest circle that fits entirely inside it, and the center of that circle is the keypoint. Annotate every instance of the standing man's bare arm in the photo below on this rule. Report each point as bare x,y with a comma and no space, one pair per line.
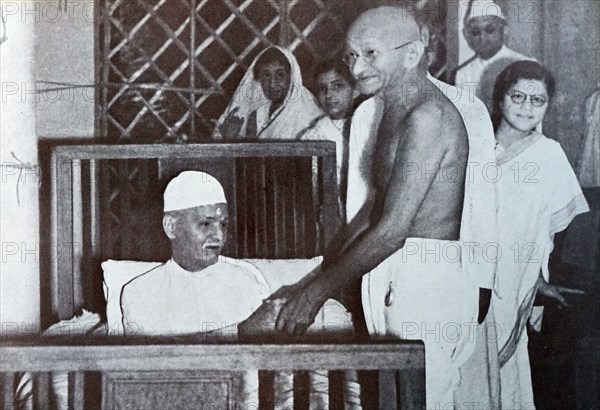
341,240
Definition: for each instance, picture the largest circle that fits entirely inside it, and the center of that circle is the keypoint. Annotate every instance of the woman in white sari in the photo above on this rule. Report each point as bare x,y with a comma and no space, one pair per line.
538,196
270,103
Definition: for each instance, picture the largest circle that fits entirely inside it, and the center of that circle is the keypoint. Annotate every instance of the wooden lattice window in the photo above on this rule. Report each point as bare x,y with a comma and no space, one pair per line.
167,68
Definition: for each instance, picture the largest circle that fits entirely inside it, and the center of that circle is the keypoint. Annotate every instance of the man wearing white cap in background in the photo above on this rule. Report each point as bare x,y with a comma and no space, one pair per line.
484,29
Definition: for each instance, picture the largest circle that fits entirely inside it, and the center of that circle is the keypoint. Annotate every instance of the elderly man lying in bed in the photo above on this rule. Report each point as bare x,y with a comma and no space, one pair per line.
198,291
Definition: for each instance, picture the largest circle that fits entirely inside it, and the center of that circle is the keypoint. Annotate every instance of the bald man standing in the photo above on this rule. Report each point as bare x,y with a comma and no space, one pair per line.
410,236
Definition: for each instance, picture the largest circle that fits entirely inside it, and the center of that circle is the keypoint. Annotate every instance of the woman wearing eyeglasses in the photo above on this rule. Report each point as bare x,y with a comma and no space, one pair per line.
538,196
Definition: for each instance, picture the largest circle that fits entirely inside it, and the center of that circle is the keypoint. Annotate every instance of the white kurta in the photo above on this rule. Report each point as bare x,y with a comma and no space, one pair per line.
169,300
539,195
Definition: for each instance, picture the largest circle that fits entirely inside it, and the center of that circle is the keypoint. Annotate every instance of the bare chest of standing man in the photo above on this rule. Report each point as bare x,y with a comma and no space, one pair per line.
440,212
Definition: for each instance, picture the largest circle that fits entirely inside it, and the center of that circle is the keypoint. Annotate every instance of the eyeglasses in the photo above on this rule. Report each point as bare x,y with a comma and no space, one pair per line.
369,56
519,98
489,28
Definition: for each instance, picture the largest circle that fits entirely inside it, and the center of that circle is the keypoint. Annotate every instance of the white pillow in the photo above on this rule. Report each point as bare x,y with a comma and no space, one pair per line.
281,272
333,317
116,275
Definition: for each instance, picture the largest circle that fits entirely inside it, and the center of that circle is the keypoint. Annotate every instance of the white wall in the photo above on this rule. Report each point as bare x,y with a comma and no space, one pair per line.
64,53
571,50
46,42
19,211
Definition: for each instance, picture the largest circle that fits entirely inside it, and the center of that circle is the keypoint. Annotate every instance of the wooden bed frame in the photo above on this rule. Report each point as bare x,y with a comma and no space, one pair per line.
282,199
276,191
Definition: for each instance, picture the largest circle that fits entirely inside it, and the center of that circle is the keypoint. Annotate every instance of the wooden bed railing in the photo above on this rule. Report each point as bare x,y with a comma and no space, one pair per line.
400,366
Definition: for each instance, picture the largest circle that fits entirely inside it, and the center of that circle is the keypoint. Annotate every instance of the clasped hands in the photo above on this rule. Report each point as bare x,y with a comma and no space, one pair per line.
290,310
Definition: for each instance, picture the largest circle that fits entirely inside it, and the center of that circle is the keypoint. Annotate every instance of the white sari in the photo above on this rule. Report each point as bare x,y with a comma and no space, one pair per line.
298,110
538,196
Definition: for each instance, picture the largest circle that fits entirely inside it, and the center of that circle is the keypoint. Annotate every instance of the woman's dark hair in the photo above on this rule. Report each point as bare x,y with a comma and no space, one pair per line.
527,70
271,55
334,64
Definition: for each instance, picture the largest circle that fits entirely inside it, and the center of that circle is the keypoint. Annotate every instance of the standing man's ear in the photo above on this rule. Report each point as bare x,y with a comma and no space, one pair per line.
170,225
505,29
465,32
414,52
425,34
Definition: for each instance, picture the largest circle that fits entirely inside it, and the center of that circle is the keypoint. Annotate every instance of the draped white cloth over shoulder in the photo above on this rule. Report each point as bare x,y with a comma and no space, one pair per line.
479,225
363,135
479,378
298,110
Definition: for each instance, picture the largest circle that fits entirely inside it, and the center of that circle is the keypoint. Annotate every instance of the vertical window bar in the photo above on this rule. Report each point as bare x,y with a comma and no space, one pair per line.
192,135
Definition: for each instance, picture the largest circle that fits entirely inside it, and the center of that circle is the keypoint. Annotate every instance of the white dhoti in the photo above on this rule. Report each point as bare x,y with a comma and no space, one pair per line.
422,293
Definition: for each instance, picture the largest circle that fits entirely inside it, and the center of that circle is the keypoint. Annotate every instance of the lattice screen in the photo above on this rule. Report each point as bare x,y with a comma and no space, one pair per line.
168,67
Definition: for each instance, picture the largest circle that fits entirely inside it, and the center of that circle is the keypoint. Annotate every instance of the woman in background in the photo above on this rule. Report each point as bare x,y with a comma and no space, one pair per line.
538,196
270,103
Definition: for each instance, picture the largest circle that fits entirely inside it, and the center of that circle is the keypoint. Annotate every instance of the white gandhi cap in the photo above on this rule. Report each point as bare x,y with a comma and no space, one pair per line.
483,8
191,189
